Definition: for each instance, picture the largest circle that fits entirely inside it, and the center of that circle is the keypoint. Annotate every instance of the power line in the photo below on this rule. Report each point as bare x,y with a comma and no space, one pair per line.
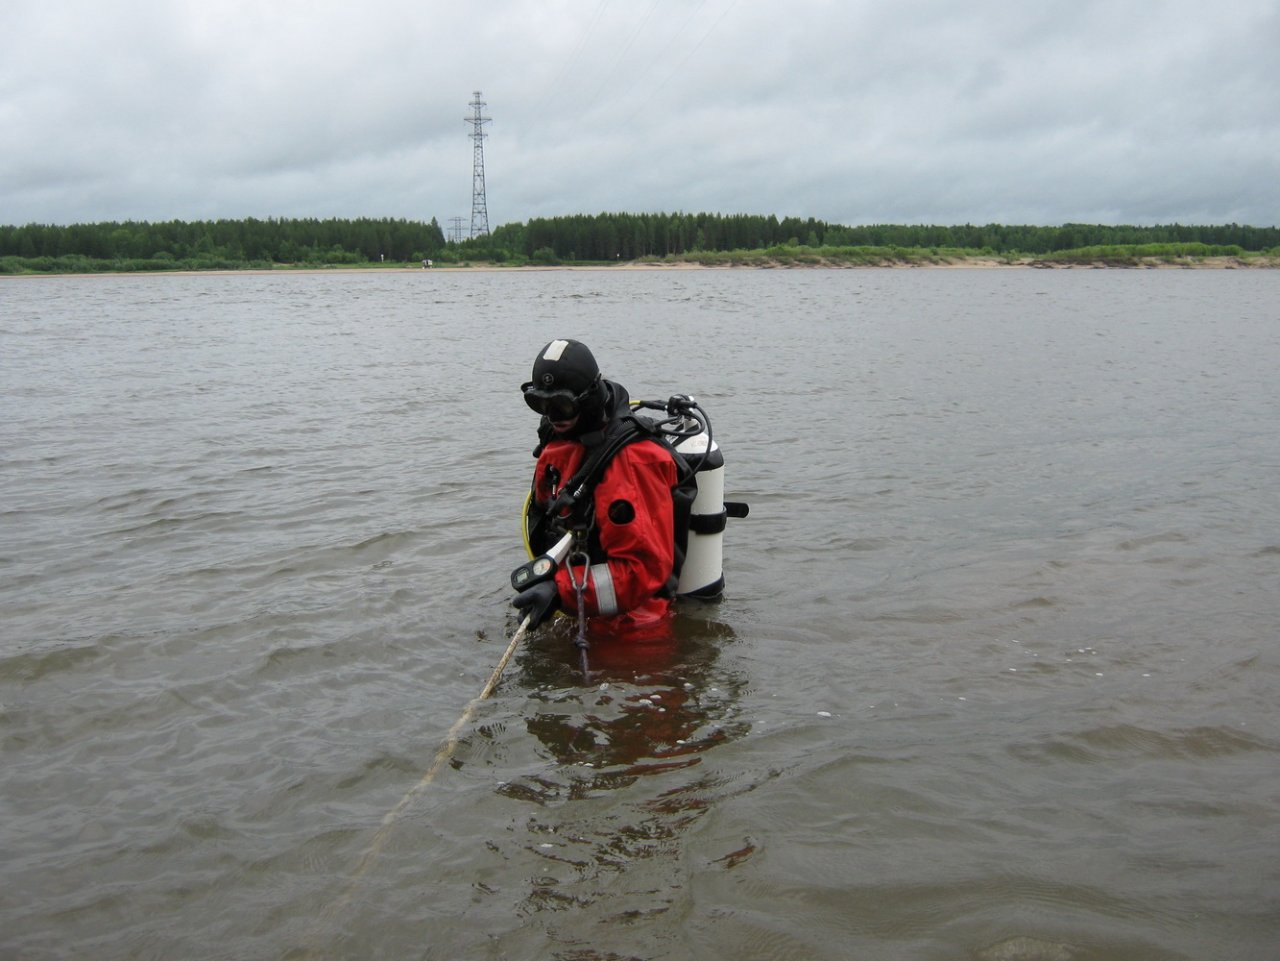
553,89
685,59
621,56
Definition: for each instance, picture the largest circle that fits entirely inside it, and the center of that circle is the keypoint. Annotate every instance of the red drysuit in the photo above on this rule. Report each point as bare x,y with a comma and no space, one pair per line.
629,583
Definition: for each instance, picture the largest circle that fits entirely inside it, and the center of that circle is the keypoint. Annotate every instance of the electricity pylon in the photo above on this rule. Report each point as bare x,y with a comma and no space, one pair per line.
479,207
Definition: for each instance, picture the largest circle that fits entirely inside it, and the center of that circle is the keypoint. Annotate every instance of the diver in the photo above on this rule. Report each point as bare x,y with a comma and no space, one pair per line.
614,487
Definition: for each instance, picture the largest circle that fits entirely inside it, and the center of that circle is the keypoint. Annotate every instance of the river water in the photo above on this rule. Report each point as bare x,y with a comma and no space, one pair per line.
995,677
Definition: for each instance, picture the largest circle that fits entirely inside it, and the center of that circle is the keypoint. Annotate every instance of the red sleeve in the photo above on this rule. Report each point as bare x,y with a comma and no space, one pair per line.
634,516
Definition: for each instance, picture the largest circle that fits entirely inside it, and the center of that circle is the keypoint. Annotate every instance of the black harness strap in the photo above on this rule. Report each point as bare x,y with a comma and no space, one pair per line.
623,431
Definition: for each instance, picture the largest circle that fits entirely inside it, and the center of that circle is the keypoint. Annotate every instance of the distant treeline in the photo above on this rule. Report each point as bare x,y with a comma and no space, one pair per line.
609,237
228,242
600,238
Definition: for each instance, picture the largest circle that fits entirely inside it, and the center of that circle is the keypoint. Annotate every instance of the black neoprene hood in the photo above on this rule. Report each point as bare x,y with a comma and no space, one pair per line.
565,365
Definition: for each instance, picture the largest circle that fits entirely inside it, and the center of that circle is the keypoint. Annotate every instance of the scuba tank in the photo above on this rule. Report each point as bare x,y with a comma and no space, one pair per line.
702,573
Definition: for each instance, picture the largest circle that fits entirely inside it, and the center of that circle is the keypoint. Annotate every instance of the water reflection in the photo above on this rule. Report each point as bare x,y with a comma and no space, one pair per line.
631,746
648,706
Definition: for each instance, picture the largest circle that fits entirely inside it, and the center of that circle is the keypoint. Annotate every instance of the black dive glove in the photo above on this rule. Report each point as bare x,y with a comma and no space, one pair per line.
540,601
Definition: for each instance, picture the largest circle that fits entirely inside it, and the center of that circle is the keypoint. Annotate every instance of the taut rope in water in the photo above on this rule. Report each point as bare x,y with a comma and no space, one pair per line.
446,752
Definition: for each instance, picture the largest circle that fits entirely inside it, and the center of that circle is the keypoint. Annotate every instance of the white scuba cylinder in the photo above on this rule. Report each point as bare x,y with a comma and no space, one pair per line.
703,572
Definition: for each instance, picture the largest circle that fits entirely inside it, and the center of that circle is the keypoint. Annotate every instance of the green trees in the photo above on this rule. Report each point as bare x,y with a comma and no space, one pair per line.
599,238
248,242
610,237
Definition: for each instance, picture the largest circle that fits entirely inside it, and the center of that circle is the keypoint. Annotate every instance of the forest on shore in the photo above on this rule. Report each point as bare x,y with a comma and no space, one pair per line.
607,238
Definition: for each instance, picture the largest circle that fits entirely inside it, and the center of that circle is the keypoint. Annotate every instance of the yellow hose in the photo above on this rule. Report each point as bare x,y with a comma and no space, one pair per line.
524,523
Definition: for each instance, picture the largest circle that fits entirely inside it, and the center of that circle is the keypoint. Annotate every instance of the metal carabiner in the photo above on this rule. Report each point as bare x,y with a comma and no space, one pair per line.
580,589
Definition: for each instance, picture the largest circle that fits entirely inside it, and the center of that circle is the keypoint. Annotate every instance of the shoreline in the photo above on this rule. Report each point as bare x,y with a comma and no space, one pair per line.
974,263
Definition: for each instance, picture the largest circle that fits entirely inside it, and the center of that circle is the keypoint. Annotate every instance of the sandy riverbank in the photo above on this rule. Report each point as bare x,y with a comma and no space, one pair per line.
966,263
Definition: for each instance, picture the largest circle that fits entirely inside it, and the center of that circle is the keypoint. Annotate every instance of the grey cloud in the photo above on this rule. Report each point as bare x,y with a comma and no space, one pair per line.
850,112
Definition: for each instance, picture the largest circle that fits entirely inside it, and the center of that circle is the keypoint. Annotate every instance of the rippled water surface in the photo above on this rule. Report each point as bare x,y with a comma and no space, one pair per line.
996,675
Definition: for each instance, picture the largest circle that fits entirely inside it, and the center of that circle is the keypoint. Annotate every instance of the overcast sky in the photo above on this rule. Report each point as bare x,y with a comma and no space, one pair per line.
850,111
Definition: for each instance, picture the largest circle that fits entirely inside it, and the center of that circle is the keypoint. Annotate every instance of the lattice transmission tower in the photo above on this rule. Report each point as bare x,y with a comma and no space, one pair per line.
479,207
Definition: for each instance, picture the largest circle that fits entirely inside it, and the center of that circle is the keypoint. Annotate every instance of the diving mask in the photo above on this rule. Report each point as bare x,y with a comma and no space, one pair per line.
556,405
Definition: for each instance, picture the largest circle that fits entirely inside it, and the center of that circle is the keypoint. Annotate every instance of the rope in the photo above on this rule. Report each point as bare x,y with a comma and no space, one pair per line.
447,749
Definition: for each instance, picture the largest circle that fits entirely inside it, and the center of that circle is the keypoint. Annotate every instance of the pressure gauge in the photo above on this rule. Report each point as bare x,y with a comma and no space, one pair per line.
537,570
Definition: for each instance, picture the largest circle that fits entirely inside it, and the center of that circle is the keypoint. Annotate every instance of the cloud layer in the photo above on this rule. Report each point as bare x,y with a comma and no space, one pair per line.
924,111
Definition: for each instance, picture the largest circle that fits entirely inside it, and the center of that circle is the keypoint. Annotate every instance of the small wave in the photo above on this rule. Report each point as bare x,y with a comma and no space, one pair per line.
1128,741
124,499
1027,949
33,665
1136,543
